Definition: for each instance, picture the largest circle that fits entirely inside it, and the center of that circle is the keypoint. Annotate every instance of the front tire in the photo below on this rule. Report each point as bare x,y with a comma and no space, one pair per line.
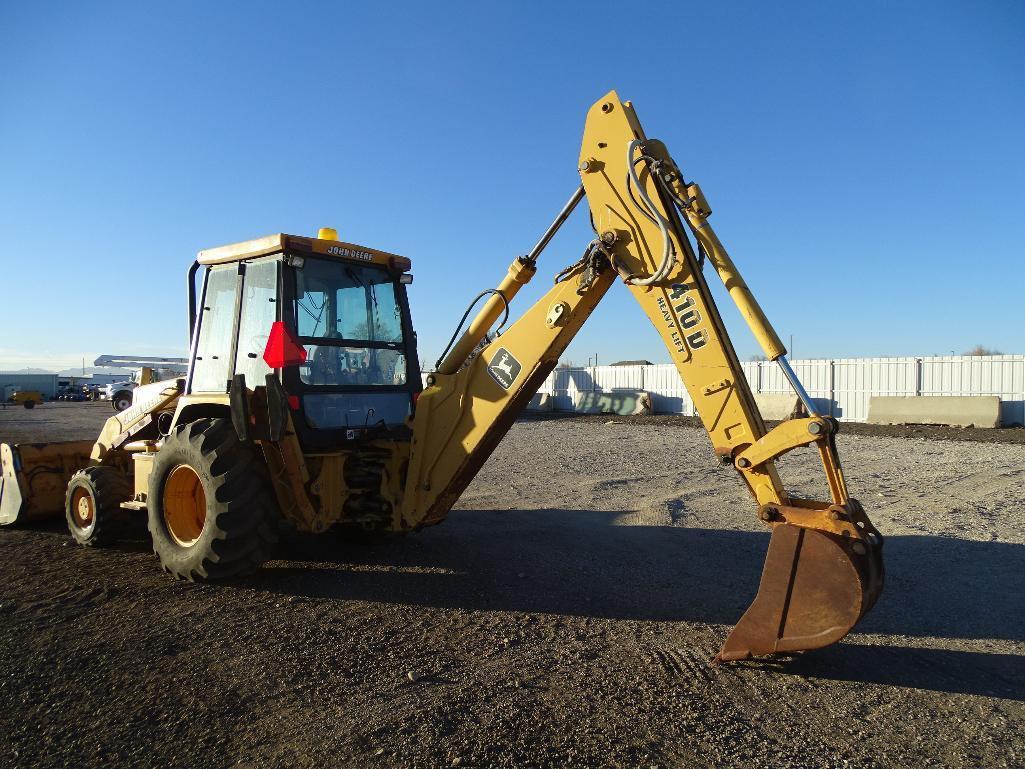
30,404
212,512
122,399
92,505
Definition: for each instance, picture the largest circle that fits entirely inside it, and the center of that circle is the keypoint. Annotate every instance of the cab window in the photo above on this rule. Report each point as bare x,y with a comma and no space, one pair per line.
335,300
349,318
259,311
212,368
340,365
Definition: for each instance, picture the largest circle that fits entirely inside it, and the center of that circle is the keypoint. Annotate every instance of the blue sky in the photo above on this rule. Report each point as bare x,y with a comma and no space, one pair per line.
865,160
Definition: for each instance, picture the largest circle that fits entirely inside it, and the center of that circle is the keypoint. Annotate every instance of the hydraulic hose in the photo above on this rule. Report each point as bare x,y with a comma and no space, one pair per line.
667,245
466,314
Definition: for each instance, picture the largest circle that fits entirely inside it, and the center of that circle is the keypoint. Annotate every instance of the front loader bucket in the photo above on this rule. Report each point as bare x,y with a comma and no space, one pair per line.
815,587
34,477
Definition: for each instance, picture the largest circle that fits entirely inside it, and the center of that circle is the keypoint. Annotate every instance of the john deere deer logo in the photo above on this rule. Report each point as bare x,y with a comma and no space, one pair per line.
504,368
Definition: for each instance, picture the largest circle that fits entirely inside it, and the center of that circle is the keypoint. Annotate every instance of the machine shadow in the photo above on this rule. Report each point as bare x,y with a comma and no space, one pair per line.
583,562
133,539
941,670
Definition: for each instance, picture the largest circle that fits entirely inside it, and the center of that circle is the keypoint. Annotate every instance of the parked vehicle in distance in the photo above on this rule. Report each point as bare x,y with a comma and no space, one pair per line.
120,394
27,398
148,369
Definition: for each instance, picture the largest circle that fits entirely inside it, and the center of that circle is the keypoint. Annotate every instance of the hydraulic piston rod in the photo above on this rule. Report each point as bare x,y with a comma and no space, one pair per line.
788,372
567,209
520,272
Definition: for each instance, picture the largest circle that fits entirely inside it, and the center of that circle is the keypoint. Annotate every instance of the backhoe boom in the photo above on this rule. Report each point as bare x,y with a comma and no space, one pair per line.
823,569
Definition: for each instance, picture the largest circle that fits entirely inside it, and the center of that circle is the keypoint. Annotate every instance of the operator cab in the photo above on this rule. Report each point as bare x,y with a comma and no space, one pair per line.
329,320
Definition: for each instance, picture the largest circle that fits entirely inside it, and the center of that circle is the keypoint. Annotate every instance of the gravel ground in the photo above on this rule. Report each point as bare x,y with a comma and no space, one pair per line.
563,616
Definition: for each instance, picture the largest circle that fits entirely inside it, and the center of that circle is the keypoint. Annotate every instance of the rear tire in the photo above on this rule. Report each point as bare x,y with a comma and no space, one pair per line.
212,512
92,505
30,404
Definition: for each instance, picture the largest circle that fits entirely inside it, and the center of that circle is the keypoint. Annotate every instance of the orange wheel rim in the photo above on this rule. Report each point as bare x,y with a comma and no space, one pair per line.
83,511
184,505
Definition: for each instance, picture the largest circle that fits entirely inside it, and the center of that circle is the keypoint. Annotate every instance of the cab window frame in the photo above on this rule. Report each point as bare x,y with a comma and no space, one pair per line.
292,379
240,272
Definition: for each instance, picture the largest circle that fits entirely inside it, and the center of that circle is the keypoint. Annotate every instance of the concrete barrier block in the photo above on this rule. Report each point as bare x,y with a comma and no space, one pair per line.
776,407
541,402
953,410
623,402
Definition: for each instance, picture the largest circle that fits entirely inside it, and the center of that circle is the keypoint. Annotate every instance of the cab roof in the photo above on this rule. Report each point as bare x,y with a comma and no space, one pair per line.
296,244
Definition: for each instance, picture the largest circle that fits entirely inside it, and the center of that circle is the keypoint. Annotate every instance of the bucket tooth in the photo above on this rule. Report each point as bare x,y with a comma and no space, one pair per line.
814,588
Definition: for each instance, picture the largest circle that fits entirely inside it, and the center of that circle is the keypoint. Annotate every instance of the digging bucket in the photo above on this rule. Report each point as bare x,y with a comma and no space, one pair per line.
815,587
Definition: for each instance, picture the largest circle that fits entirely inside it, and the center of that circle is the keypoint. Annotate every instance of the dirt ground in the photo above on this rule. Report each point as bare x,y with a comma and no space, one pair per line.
563,616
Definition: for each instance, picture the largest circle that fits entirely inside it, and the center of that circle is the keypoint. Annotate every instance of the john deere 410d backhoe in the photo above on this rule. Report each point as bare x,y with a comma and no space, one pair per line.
302,405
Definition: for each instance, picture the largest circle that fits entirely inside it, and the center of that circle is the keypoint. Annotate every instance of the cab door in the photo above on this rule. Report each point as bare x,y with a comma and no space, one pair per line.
240,303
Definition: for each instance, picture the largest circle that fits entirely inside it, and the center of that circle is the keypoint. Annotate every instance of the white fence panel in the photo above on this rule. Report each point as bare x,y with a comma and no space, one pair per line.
1002,375
612,378
856,380
839,387
668,395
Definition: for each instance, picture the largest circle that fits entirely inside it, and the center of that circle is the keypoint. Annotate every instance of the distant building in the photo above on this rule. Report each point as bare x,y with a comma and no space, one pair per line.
44,383
633,363
97,378
51,384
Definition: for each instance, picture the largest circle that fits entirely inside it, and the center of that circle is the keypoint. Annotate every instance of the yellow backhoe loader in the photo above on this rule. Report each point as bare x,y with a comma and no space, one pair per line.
303,405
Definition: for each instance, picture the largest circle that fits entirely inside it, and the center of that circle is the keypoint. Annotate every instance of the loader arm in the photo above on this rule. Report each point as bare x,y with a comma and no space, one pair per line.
34,476
823,569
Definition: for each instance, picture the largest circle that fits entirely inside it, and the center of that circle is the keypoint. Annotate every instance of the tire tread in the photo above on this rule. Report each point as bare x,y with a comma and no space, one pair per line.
109,488
240,504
